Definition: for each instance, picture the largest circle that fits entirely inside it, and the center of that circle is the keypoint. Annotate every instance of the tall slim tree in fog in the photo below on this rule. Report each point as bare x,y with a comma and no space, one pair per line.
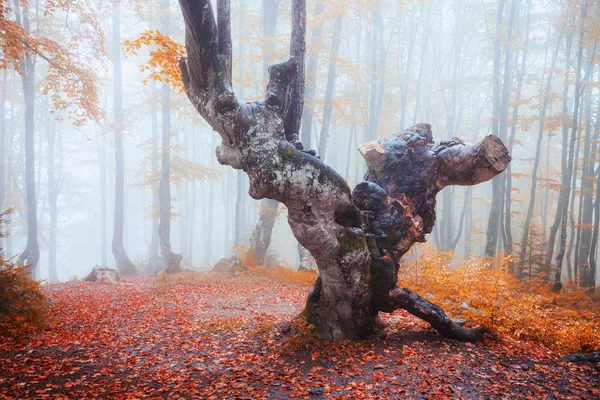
3,92
568,172
53,191
124,264
170,259
306,135
330,89
493,226
153,250
31,254
545,87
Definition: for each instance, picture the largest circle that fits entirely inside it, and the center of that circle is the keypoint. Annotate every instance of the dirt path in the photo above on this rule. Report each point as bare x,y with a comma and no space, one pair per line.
229,339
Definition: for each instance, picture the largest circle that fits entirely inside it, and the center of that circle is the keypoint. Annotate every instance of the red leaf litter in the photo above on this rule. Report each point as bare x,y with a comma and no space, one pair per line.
232,339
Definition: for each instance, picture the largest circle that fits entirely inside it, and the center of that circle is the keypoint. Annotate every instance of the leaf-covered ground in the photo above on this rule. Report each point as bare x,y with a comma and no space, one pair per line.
228,339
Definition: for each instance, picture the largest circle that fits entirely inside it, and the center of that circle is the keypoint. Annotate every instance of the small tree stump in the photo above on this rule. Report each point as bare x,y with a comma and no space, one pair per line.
102,274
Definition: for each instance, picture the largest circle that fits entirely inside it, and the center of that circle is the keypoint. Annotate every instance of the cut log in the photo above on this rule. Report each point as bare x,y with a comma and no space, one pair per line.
102,274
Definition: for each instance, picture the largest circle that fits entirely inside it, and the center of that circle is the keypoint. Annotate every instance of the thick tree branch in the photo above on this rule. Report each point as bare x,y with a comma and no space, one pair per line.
297,51
224,30
397,201
465,165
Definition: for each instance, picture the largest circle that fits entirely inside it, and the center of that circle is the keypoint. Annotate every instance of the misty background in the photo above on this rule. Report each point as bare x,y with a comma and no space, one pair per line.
524,70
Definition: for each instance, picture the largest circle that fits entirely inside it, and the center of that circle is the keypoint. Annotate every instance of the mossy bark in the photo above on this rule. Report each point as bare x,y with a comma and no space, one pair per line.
358,238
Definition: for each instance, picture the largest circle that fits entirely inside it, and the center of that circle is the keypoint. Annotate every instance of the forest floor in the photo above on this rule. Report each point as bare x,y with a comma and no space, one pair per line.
230,338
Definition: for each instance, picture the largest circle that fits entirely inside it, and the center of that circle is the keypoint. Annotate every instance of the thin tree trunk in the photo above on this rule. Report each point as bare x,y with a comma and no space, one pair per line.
569,170
408,62
586,207
565,133
311,78
52,203
172,261
536,164
329,91
422,64
511,140
493,226
153,250
590,280
31,254
461,223
210,208
377,74
5,84
572,207
124,264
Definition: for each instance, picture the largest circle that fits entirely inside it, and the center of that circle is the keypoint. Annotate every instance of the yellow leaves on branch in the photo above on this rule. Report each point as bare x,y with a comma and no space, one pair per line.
163,59
71,85
181,170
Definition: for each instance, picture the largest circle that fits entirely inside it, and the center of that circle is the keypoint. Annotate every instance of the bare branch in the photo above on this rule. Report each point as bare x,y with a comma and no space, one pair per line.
297,51
224,30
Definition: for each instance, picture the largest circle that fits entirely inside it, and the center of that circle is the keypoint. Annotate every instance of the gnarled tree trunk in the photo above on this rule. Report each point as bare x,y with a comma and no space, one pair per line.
358,270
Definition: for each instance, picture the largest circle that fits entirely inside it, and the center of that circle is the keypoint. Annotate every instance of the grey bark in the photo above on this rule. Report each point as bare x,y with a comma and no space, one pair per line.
511,139
52,203
569,170
311,78
124,264
153,250
377,82
31,254
358,271
5,84
586,208
590,280
172,261
329,91
566,178
493,227
569,247
536,164
261,235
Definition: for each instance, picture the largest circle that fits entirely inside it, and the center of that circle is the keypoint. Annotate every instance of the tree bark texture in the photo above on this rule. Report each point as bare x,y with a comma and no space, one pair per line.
357,238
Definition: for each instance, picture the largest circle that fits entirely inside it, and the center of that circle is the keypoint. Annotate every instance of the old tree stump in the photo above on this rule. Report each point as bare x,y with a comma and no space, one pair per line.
357,238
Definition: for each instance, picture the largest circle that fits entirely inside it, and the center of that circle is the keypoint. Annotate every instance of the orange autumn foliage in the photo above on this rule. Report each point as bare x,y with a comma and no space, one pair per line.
277,272
23,306
491,297
163,59
71,84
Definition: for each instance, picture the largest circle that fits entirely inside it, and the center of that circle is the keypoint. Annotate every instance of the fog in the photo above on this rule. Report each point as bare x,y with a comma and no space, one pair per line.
525,71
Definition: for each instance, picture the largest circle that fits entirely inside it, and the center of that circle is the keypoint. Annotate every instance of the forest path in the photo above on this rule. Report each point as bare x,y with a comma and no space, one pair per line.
208,338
